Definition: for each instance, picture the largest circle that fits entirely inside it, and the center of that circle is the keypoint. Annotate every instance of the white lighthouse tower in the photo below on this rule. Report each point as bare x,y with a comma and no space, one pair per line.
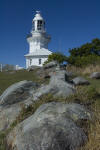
38,43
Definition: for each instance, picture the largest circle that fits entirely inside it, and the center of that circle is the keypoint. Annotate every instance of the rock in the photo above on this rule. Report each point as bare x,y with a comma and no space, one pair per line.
70,110
17,92
48,70
32,68
57,86
9,113
44,73
46,76
95,75
63,66
59,75
70,74
80,81
50,65
12,101
50,128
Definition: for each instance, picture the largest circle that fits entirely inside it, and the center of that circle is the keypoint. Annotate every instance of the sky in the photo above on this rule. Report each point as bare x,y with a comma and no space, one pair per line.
70,23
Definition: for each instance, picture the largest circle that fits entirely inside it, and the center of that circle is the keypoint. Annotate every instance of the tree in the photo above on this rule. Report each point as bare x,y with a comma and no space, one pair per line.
86,54
60,58
96,46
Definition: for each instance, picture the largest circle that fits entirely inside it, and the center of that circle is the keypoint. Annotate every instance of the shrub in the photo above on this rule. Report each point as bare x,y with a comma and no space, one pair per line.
84,60
60,58
88,53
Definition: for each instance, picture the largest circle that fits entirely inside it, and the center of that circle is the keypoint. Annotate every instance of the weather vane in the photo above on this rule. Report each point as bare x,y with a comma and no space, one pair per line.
38,12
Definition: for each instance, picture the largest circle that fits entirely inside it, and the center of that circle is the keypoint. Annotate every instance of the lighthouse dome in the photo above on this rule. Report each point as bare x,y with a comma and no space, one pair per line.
38,16
38,23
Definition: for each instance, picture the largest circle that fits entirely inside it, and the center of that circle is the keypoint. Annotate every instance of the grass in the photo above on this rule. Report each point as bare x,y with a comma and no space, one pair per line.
9,78
85,70
93,142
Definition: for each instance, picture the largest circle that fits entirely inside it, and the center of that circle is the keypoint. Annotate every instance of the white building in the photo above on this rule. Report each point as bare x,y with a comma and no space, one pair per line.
38,43
17,67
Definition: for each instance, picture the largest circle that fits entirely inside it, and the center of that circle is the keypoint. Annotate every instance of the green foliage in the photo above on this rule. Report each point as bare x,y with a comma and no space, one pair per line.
88,53
60,58
80,61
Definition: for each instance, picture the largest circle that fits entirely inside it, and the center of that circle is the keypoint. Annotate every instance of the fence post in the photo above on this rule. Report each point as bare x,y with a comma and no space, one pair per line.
1,67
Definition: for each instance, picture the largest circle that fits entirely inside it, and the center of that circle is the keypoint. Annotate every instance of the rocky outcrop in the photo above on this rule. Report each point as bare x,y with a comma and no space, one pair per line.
50,65
58,86
17,92
12,101
49,69
52,127
80,81
32,68
95,75
46,71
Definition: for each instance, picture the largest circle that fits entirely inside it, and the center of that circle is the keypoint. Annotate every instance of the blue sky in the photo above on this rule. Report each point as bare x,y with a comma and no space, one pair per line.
70,23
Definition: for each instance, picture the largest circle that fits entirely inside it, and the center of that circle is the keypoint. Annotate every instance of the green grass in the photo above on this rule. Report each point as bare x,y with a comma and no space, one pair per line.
8,78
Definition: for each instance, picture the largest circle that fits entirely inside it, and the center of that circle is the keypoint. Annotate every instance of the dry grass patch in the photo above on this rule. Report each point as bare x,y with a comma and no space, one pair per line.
85,70
90,69
94,135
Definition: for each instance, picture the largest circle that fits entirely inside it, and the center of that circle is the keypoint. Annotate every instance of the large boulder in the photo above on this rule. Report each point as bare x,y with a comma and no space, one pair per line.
50,65
12,101
45,73
58,86
32,68
70,74
49,69
80,81
95,75
8,114
17,92
59,75
52,127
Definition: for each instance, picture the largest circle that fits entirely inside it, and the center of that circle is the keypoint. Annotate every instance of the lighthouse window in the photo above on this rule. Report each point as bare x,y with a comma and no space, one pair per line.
30,62
39,24
39,61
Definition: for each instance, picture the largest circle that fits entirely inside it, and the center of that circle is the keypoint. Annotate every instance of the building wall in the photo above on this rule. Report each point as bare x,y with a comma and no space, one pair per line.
37,42
35,61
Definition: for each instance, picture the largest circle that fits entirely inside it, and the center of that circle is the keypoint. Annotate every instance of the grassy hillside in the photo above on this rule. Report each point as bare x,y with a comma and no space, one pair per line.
85,94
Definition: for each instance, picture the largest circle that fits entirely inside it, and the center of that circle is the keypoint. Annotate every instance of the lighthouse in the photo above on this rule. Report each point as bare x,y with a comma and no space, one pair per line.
38,41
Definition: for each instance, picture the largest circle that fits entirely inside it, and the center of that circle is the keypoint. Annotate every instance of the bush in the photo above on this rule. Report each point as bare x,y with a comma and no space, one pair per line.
60,58
88,53
84,60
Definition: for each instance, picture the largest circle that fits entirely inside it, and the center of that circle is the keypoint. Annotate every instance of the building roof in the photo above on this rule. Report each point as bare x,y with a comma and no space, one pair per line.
39,52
